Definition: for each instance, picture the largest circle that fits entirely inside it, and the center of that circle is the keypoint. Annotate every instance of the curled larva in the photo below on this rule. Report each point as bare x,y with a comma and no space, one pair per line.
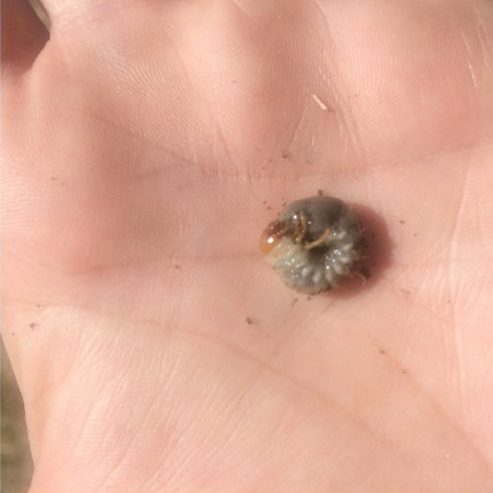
313,244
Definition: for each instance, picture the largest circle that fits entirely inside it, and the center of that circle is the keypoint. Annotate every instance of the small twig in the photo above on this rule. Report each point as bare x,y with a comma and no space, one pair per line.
320,103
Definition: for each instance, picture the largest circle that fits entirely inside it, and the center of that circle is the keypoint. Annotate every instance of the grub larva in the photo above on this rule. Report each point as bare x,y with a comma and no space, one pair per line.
313,244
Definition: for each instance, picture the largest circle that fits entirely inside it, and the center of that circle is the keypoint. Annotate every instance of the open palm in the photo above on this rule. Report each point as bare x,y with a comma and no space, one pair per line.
145,147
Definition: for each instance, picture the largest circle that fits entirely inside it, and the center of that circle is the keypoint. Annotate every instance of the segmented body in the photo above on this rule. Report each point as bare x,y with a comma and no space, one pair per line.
313,244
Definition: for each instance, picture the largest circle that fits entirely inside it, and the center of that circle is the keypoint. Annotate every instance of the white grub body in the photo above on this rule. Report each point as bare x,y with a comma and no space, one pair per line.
314,244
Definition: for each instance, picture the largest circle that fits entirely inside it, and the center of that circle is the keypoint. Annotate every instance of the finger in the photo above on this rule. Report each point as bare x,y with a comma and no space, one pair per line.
23,36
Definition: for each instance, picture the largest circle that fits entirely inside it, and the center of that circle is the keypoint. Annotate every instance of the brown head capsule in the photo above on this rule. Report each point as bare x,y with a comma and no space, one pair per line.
313,244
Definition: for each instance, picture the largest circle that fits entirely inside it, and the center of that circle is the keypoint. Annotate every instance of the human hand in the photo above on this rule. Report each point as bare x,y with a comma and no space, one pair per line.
138,151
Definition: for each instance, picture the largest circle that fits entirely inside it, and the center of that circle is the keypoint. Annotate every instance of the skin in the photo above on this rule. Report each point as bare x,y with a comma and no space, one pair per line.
139,144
